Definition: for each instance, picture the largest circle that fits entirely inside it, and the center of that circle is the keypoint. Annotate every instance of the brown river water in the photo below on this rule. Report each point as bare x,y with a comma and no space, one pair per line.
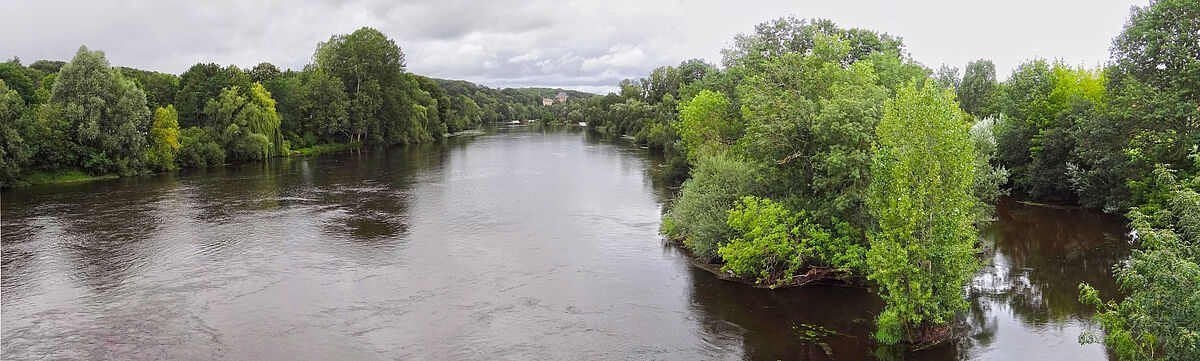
521,244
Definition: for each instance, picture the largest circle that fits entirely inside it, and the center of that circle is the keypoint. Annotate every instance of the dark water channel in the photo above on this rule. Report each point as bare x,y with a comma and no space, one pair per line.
520,244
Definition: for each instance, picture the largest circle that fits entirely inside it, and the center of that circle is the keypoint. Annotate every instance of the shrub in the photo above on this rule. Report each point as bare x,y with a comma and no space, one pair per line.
775,244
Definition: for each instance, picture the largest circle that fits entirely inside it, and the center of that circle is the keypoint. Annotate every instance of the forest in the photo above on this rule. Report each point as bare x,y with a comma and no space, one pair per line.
63,121
816,153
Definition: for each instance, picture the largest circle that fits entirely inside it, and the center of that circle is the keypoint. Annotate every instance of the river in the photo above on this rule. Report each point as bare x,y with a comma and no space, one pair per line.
520,244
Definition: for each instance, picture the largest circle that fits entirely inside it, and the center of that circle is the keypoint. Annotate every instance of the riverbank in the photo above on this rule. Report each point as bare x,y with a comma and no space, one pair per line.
74,175
813,276
326,149
62,176
465,133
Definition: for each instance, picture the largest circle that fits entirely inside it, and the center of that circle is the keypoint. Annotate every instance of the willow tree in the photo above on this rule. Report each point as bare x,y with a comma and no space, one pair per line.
247,121
261,117
922,253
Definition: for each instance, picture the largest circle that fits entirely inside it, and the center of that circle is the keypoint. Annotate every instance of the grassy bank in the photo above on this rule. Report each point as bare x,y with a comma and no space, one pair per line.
325,149
60,177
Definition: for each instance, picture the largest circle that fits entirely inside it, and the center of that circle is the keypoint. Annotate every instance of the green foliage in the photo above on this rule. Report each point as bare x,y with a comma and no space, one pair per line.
325,107
1155,88
164,139
160,88
1160,317
14,152
384,107
199,148
197,86
264,72
61,176
326,148
355,91
811,119
47,66
978,88
789,35
289,93
1038,138
700,214
249,121
17,80
923,251
947,77
774,244
704,127
989,178
106,112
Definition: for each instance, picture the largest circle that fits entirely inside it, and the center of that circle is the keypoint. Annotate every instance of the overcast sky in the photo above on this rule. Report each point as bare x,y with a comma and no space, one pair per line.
576,44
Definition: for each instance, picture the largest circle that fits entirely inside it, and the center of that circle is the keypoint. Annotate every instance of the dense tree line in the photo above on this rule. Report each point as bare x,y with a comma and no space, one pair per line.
818,151
88,115
513,103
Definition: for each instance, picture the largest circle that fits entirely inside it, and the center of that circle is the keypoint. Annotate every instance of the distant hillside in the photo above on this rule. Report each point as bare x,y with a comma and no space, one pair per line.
523,95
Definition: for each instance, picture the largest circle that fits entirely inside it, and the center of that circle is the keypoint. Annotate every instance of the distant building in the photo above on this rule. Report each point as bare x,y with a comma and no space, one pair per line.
561,97
547,101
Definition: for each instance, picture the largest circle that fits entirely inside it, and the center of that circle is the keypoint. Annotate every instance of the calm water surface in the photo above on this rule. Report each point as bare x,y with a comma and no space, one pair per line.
520,244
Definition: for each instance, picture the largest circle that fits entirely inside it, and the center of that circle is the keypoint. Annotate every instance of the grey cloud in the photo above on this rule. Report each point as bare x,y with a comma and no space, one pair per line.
579,44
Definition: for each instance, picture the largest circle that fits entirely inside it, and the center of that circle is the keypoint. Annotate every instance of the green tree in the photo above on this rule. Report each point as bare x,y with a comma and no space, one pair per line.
264,72
1037,139
795,36
383,110
47,66
947,77
160,88
704,126
325,107
248,122
1160,317
978,87
199,148
14,75
922,253
289,93
811,119
262,118
1154,81
466,111
197,85
988,178
107,113
164,139
14,152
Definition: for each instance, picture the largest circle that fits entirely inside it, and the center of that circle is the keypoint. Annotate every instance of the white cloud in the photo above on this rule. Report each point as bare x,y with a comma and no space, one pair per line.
619,56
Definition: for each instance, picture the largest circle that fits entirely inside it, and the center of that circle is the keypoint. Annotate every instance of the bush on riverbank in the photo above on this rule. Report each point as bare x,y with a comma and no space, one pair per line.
778,247
699,216
1160,317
